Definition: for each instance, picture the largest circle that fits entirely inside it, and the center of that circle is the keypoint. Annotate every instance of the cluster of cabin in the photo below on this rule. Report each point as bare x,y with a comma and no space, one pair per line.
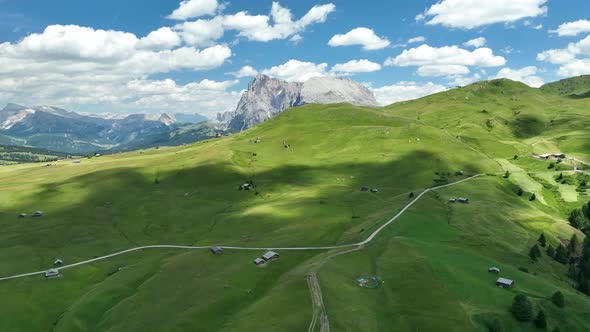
267,257
501,282
550,156
373,190
35,214
54,272
463,200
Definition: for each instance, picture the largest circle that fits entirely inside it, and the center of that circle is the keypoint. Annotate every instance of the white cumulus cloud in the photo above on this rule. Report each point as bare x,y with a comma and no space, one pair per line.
194,8
263,28
161,39
69,65
574,60
401,91
442,70
476,42
570,29
419,39
447,55
364,37
246,71
296,71
355,66
526,75
469,14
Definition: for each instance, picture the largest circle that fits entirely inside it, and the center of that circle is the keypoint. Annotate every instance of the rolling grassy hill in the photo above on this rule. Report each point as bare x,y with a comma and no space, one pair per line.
307,165
574,87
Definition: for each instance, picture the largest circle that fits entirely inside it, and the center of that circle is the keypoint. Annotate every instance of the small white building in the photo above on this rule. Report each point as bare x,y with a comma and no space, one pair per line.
504,283
58,262
51,273
259,261
76,161
38,214
494,269
270,255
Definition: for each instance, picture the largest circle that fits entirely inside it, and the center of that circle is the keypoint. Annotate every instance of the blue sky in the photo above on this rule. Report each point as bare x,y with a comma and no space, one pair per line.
198,55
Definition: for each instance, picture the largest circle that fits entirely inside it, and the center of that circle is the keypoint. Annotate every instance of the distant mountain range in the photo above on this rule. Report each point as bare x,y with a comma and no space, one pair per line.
267,97
60,130
56,129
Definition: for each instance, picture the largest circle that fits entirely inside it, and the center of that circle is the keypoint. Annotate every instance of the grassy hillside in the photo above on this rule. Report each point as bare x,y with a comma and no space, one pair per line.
575,87
307,165
19,154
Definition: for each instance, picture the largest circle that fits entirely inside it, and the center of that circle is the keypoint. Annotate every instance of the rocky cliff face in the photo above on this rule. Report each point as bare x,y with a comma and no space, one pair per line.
267,97
264,98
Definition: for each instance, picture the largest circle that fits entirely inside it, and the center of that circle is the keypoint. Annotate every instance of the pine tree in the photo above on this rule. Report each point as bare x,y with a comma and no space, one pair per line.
533,197
558,299
540,321
495,326
550,251
507,174
411,195
561,254
572,247
520,192
572,272
522,309
542,241
578,219
535,252
584,274
560,177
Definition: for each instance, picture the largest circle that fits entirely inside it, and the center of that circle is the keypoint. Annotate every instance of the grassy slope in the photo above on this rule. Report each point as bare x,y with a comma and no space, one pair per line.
576,87
308,195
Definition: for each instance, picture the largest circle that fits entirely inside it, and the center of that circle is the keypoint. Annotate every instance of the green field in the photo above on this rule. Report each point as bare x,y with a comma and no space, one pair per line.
307,166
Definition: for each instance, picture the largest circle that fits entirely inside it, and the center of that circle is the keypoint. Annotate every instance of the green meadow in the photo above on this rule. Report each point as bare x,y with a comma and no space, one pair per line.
307,165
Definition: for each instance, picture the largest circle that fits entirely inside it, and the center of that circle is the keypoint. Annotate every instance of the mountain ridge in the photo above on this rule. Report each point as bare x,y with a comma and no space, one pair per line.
57,129
267,97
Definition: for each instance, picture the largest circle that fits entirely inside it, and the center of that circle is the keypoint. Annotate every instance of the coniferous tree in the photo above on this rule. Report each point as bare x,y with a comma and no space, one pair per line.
572,272
495,326
561,254
533,197
542,241
558,299
578,218
584,274
520,192
572,247
522,309
535,252
507,174
540,321
550,251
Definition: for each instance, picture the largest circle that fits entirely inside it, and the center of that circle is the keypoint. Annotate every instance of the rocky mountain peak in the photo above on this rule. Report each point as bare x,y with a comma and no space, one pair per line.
268,96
